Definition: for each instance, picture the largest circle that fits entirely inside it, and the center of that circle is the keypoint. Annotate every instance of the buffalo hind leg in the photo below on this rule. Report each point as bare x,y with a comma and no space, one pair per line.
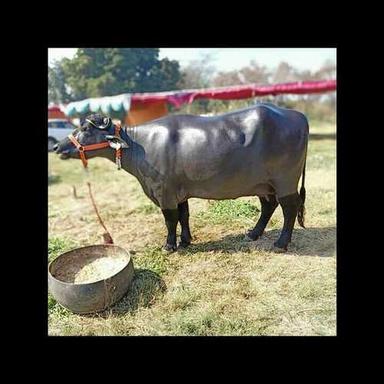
171,217
184,222
268,206
290,205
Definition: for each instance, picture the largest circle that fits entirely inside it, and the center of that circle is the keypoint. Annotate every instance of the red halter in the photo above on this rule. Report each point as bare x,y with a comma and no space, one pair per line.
83,148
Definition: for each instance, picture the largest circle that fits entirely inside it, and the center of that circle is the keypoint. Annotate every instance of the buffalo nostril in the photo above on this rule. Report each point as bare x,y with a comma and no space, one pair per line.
56,147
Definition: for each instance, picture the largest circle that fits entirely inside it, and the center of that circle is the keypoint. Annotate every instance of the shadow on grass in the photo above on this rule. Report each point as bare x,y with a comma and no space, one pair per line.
305,242
52,179
145,288
322,136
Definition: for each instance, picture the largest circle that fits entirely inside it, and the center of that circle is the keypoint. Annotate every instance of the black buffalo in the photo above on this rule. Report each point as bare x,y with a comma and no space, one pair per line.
256,151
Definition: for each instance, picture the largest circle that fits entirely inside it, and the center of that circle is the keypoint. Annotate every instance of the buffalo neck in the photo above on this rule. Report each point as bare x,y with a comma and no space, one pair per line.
129,157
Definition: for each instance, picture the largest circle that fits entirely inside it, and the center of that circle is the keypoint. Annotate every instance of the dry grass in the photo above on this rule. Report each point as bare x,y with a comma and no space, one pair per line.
220,285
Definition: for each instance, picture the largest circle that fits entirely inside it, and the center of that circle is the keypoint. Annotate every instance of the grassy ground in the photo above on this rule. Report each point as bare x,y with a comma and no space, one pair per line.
220,285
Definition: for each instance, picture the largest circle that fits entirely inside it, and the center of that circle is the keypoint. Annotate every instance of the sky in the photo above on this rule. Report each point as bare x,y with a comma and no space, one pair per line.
226,59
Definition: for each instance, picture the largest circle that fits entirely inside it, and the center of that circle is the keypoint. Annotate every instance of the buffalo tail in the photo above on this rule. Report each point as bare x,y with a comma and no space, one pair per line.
301,211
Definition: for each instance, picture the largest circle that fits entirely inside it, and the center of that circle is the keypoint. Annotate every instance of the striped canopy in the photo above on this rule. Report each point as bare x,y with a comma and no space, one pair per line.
106,105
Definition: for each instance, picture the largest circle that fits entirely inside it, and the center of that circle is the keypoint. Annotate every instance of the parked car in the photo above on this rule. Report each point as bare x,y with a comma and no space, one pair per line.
58,129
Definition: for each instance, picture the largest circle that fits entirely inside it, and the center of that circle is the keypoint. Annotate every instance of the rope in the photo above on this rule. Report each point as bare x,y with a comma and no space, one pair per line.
107,236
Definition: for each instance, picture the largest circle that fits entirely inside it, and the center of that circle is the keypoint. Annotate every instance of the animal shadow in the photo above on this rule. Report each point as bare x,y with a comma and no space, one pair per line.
322,136
145,288
52,179
310,241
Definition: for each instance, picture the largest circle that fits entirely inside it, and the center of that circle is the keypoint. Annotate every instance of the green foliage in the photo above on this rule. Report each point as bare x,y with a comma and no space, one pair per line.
224,210
153,259
57,245
51,302
57,89
97,72
147,208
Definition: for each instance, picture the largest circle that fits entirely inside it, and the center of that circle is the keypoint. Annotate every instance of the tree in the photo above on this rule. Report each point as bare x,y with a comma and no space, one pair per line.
315,106
57,90
166,75
97,72
284,73
198,73
227,78
254,73
327,71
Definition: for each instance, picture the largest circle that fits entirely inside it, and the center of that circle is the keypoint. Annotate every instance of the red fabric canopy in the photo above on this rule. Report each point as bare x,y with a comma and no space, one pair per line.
237,92
55,112
54,108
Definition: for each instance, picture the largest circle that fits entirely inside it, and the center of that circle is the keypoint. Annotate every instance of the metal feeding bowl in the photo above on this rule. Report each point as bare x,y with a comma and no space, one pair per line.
90,279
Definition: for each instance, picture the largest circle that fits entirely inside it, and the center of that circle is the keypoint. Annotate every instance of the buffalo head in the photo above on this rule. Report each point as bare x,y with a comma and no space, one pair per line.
94,129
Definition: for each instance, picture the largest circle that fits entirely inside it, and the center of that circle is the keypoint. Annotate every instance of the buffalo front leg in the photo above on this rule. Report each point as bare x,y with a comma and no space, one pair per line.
184,222
268,206
171,217
290,205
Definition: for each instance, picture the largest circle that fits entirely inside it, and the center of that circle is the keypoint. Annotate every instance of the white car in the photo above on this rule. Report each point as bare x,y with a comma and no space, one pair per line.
58,129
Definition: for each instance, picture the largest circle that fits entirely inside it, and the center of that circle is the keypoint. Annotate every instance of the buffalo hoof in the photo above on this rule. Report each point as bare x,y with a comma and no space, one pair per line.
183,245
277,248
251,236
169,248
247,238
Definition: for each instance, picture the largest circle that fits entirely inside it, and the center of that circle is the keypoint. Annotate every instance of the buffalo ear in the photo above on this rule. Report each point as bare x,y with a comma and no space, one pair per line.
106,123
116,142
